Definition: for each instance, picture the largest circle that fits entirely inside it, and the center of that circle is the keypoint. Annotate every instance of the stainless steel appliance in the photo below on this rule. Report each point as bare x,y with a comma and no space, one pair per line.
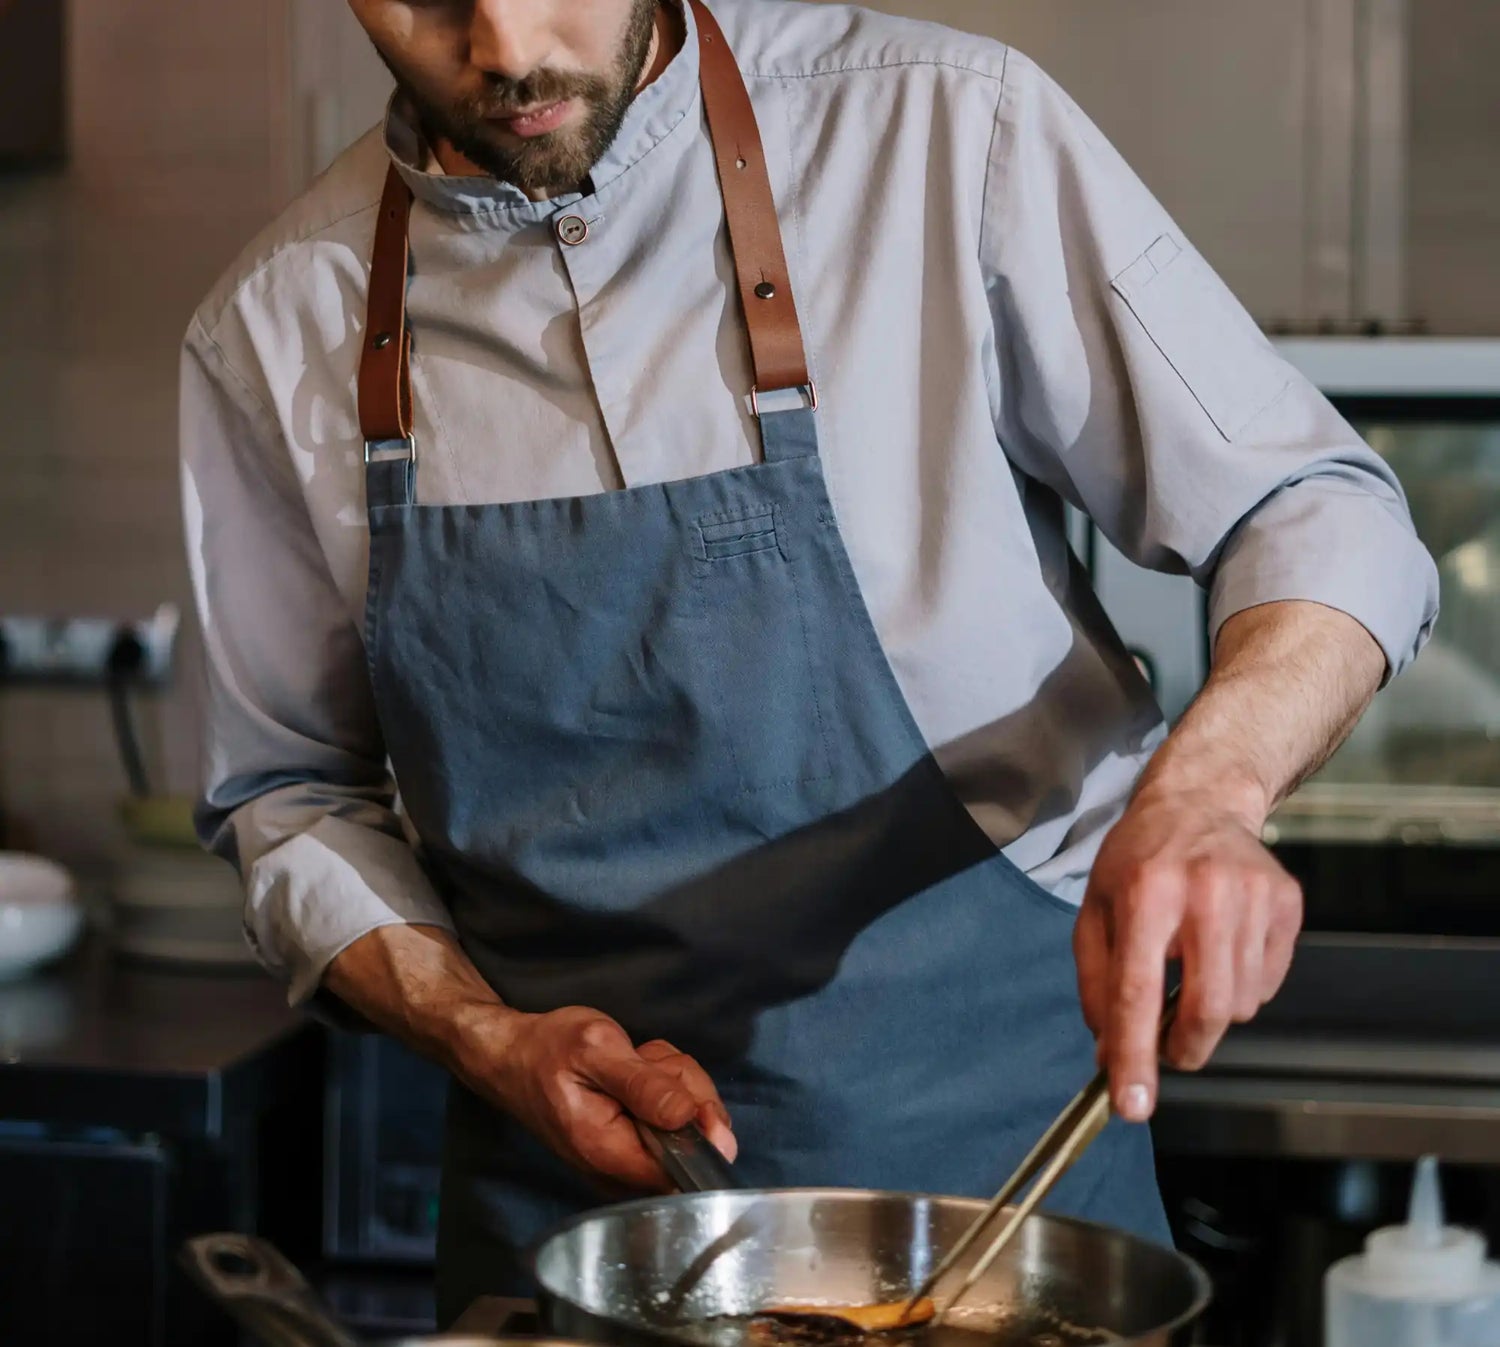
1385,1043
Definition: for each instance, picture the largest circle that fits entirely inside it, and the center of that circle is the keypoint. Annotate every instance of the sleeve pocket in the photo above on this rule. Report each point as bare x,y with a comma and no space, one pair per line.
1206,336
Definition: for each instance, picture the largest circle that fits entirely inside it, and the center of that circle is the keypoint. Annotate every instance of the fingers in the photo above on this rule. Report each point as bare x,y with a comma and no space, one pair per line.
574,1078
1209,956
1091,953
1144,931
599,1136
1283,924
648,1092
615,1086
1254,909
711,1114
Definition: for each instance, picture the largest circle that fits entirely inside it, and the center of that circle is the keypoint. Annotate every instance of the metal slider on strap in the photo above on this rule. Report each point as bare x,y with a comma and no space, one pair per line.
391,451
809,391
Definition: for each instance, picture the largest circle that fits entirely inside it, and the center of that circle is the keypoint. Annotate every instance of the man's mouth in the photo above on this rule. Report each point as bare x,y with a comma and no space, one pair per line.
536,121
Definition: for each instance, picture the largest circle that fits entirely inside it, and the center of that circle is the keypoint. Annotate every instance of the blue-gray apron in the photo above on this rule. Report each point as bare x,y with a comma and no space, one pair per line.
659,765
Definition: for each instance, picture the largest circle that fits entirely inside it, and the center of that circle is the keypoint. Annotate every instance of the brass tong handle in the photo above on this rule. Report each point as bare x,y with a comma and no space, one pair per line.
1073,1131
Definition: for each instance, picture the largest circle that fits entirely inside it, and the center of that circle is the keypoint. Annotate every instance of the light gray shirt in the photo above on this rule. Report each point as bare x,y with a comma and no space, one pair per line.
999,318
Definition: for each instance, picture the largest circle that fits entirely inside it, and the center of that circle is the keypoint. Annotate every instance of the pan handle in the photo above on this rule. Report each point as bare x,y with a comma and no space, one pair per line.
689,1158
250,1279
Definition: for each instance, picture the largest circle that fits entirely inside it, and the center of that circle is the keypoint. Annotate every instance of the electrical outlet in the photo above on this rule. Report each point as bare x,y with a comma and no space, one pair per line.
89,650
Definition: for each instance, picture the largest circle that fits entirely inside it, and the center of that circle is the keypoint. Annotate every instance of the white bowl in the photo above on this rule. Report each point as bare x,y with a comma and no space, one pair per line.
40,915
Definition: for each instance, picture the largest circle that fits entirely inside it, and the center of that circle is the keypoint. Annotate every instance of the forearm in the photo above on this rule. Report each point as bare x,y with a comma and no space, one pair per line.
573,1076
1289,681
417,984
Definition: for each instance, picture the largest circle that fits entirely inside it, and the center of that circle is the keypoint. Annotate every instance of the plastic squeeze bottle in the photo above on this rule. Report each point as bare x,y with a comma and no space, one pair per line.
1422,1284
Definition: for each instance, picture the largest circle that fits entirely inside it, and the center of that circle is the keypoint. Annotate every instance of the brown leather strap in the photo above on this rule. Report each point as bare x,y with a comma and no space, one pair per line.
385,364
750,209
776,348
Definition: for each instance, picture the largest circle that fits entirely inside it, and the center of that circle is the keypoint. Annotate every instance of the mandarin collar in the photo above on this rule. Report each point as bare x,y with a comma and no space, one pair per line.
650,118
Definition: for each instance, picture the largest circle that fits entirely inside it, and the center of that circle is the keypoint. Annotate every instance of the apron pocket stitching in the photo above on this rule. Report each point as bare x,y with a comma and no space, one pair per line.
727,536
812,691
734,757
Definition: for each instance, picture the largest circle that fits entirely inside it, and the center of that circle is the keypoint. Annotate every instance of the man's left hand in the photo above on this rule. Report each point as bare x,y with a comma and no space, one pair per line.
1181,876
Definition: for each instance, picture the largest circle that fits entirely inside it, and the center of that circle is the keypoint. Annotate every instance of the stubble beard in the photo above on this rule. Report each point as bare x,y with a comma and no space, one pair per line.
558,160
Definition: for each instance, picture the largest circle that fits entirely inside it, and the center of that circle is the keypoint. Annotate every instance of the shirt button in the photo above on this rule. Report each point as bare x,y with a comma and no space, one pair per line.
572,230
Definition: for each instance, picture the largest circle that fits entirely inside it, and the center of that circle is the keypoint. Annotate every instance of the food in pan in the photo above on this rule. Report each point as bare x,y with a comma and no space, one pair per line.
882,1317
849,1325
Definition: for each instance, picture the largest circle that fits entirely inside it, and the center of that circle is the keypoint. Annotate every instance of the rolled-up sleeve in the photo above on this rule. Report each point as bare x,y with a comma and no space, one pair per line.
297,794
1131,381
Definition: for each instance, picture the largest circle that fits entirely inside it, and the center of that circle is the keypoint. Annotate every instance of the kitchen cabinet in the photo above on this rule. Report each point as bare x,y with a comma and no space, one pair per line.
33,118
137,1107
1453,263
1209,100
1334,159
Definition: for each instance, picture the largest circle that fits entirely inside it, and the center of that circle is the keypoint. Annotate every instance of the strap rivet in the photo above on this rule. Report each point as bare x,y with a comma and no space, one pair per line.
382,340
765,290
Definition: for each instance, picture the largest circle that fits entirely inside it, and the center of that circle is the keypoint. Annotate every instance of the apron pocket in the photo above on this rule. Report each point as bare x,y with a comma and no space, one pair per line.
755,649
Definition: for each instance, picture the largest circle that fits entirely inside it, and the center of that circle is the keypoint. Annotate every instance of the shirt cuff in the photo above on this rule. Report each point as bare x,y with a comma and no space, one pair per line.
1331,543
313,896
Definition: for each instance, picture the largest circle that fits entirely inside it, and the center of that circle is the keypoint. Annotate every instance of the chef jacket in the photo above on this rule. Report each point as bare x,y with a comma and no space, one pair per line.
999,317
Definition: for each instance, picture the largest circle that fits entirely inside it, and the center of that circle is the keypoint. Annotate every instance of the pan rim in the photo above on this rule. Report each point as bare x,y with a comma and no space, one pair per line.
1202,1285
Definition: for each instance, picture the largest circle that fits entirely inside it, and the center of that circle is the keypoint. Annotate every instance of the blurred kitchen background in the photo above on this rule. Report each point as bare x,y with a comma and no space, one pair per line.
1337,160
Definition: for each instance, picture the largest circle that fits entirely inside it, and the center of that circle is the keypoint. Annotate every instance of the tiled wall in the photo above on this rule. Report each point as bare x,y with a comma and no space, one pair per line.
172,104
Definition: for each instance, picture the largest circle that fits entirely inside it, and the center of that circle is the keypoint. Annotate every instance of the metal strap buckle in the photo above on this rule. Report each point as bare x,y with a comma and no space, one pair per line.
809,388
391,451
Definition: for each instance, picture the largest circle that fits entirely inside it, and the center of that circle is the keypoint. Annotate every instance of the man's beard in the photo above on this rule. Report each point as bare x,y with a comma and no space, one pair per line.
557,160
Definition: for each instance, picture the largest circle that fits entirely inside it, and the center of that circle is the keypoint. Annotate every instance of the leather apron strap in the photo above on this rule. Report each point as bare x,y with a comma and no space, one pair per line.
385,362
750,210
776,348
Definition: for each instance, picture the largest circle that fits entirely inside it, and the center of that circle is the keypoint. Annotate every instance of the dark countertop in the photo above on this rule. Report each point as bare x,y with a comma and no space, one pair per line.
107,1042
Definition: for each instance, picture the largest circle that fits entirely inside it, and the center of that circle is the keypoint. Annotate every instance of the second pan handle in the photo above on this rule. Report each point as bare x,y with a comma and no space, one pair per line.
250,1279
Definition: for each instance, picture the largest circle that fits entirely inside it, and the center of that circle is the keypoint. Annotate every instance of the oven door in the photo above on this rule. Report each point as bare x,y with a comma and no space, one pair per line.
384,1138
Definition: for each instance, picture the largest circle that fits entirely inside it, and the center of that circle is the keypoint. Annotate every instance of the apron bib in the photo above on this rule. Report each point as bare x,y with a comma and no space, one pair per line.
660,766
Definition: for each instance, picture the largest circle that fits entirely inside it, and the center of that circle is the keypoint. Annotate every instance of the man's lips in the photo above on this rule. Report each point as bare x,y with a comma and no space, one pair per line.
536,121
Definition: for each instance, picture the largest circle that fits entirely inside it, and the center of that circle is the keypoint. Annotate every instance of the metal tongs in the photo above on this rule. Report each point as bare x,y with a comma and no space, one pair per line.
1061,1145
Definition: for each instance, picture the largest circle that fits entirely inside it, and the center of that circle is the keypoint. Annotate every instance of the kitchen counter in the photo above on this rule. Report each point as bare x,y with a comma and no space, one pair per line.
1378,1048
106,1042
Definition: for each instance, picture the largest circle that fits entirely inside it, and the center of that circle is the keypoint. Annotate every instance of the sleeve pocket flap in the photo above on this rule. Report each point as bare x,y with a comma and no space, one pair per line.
1205,335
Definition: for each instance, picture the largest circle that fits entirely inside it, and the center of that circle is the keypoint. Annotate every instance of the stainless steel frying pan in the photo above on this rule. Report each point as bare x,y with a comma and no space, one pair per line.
690,1269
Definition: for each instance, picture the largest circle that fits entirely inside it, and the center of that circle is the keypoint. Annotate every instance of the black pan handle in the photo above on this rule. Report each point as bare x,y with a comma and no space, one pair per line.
689,1158
250,1279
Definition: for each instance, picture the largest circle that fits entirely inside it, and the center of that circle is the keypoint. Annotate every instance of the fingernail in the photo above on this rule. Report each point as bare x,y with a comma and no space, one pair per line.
1135,1103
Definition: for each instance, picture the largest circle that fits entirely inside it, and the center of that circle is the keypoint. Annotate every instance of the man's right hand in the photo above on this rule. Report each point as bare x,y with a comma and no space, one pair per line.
571,1077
